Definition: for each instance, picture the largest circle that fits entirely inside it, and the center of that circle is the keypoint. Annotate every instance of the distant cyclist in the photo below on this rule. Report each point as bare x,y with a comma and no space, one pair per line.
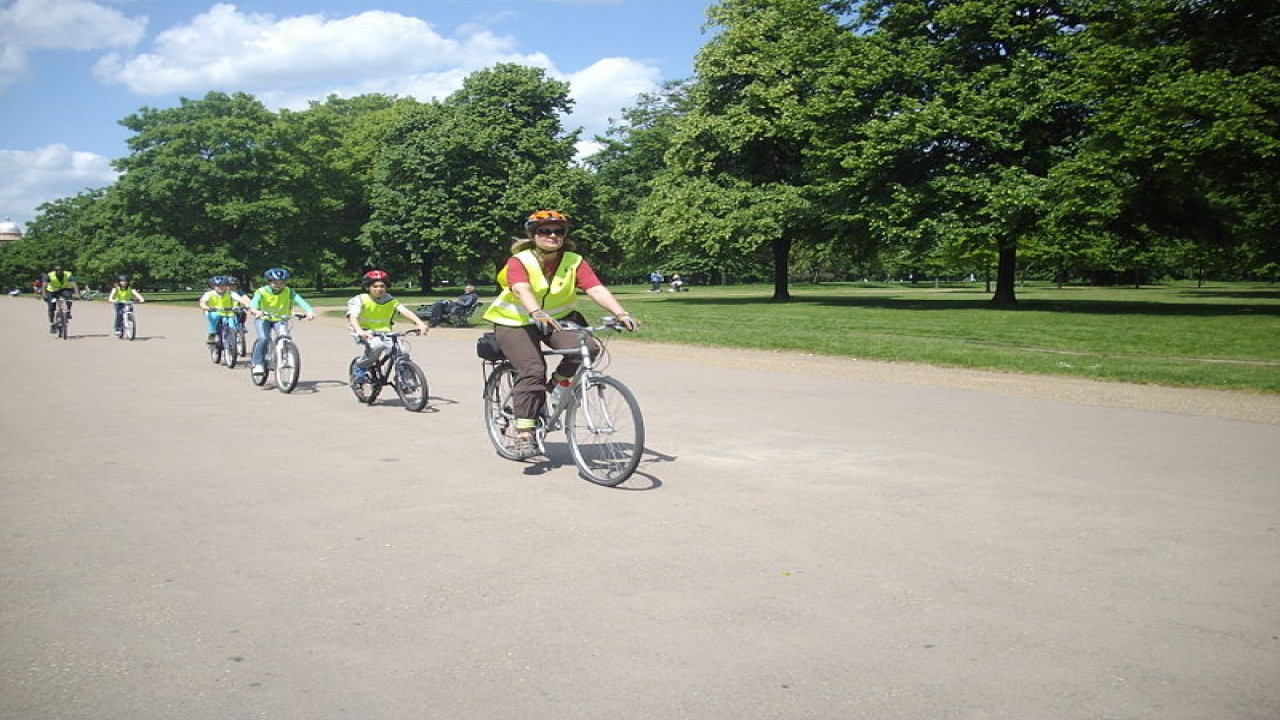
219,301
373,311
272,304
59,283
121,295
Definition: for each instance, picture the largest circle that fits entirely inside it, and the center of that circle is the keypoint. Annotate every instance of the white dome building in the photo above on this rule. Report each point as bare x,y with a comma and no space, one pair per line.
9,231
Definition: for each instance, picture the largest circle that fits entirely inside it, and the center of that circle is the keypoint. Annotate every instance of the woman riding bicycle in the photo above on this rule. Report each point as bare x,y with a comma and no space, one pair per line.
374,311
121,295
539,287
272,303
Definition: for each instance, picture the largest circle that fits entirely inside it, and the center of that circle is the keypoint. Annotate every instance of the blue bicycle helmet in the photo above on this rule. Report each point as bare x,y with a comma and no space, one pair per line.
276,274
217,280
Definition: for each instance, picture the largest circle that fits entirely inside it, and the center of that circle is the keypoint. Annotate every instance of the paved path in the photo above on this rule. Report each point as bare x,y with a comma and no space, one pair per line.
177,543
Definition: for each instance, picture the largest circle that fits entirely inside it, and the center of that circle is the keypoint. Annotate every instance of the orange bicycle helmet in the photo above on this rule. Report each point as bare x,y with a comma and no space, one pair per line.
545,217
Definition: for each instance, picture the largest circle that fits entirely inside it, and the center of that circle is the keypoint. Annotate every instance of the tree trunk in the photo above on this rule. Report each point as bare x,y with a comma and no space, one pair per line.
781,261
1006,274
425,271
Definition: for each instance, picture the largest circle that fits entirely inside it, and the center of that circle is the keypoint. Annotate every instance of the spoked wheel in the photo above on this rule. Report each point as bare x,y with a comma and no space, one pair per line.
215,349
499,415
605,431
227,338
288,367
366,391
411,385
60,319
128,326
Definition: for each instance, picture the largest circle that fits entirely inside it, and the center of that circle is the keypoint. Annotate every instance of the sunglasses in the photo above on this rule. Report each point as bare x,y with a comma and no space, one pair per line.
549,231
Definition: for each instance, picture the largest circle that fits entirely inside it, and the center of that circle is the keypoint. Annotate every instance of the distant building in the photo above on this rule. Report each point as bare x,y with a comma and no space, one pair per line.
9,231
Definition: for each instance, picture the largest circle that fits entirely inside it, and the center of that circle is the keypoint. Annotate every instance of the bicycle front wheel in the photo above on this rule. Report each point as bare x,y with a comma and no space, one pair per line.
230,352
605,431
61,321
128,326
288,367
411,385
215,348
499,414
366,390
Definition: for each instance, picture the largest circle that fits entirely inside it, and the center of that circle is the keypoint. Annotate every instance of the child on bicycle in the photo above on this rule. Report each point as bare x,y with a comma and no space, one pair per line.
271,305
539,287
374,311
217,302
121,295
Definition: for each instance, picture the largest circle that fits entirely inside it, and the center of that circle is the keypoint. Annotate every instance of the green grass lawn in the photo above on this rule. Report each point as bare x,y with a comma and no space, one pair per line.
1221,336
1224,336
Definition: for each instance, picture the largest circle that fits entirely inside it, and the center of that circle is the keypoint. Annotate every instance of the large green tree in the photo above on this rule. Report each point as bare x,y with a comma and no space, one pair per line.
739,179
454,178
213,175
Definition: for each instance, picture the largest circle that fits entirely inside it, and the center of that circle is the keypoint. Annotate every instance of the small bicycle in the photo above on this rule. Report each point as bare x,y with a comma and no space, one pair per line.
394,368
228,341
61,316
128,323
282,357
600,415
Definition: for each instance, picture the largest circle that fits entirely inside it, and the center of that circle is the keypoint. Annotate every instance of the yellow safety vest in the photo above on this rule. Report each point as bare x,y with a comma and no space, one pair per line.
558,296
221,301
277,304
120,295
377,315
57,283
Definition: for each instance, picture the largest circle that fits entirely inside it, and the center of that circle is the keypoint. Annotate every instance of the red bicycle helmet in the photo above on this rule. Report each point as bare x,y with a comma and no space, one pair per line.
374,276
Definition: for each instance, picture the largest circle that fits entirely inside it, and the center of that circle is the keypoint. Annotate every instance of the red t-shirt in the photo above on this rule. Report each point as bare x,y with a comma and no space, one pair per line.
585,279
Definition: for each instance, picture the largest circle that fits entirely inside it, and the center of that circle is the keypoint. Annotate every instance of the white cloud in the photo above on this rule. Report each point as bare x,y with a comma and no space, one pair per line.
227,49
27,26
601,91
29,178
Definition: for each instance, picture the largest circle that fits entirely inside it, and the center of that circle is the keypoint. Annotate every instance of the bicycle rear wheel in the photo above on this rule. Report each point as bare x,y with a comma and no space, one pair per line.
367,390
605,431
411,385
288,367
499,416
128,326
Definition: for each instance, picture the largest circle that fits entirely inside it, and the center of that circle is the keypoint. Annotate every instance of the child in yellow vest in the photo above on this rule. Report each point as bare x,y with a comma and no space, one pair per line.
373,311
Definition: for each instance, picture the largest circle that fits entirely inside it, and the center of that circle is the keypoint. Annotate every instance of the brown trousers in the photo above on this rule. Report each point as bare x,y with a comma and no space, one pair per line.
523,347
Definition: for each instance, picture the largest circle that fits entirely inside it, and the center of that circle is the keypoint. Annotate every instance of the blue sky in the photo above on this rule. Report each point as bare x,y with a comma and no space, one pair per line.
71,69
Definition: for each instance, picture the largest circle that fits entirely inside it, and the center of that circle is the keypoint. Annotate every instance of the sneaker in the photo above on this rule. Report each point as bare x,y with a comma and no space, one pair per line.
259,370
53,328
360,375
524,448
211,339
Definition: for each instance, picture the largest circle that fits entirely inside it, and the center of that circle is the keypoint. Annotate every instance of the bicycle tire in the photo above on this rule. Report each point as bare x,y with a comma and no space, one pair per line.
605,431
499,416
230,354
215,348
411,386
60,319
367,391
288,367
128,326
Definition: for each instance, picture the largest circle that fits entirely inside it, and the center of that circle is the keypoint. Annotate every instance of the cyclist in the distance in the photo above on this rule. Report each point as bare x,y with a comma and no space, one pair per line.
59,282
272,304
121,294
374,310
539,285
217,301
